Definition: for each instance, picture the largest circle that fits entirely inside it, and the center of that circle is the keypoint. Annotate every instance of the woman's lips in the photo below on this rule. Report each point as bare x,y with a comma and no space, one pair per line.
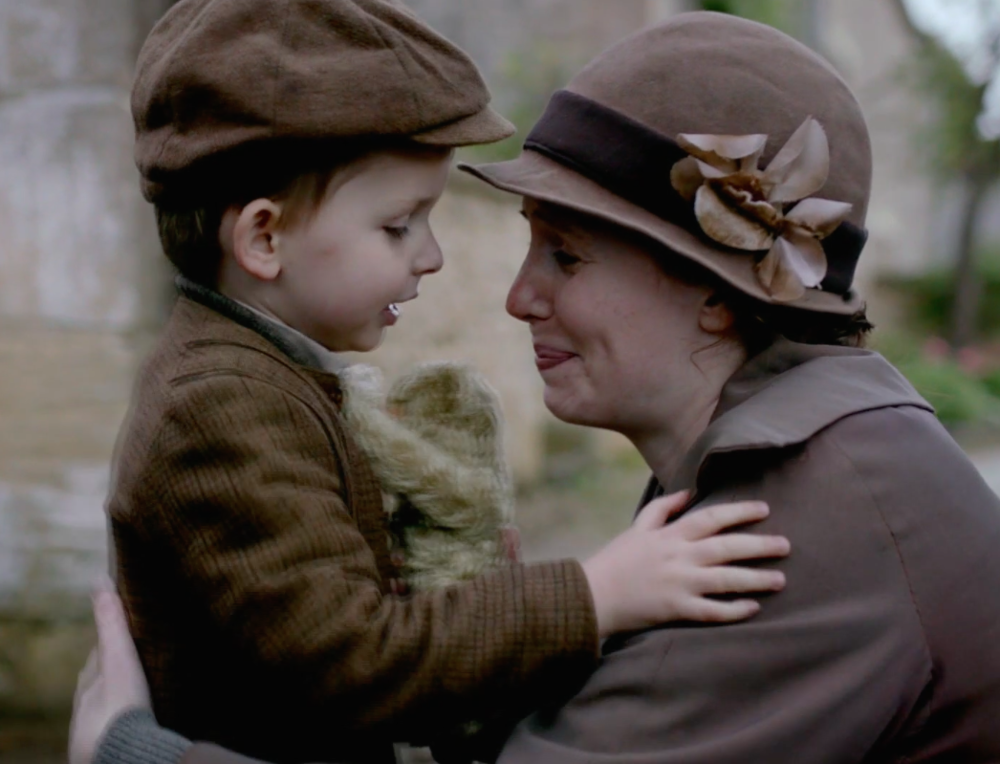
548,358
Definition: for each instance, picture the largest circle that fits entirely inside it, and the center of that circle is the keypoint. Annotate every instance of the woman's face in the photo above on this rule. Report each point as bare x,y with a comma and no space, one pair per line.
613,334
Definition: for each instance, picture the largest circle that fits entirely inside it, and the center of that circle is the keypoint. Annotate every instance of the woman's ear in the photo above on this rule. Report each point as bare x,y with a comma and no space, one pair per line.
715,317
255,239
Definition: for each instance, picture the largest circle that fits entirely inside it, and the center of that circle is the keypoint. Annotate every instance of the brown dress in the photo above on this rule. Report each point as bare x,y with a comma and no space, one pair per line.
885,646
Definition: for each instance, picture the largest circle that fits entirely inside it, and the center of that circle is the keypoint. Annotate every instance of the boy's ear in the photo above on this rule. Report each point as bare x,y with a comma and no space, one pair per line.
715,316
255,239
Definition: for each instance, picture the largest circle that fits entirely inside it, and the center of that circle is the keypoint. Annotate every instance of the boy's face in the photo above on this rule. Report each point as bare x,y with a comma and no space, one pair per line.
364,250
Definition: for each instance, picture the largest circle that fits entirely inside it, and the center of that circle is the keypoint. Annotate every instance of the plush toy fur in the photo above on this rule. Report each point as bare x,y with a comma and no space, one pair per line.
435,441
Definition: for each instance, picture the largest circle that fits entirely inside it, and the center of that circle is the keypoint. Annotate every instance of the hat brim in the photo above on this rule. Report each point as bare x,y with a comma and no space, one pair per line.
486,126
535,175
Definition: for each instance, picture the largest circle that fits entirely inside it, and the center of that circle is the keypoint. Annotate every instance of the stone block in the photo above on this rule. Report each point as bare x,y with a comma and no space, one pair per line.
80,245
63,393
39,664
55,43
53,546
62,397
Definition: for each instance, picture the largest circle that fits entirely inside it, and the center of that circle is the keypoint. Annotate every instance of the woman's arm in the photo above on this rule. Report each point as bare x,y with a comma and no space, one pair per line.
113,722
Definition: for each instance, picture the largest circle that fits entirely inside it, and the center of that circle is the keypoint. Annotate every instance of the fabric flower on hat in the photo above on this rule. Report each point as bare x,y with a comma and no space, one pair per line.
742,206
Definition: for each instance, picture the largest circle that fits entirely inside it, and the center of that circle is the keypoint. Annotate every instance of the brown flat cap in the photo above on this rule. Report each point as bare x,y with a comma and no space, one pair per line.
770,124
216,75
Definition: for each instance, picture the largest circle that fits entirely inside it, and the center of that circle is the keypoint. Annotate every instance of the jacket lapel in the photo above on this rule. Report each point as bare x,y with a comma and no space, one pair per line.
787,394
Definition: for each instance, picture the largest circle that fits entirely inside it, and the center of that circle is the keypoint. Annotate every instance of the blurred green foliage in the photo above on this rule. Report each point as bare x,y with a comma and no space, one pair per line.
963,386
958,394
930,296
532,73
949,139
786,15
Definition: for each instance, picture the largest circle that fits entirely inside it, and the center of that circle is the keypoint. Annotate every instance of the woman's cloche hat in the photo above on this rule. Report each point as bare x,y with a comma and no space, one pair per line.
725,140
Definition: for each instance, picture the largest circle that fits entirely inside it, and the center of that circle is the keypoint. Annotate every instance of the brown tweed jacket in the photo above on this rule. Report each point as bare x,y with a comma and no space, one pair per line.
253,560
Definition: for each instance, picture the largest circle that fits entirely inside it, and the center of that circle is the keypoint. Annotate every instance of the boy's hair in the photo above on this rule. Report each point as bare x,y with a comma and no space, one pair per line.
298,177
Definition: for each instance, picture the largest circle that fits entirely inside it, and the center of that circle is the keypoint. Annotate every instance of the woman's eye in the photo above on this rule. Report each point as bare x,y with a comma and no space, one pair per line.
564,259
396,232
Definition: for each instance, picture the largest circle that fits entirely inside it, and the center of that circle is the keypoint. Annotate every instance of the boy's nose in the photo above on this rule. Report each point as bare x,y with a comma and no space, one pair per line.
430,260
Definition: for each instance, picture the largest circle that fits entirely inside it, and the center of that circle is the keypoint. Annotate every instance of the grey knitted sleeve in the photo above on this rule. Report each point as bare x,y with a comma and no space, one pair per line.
136,738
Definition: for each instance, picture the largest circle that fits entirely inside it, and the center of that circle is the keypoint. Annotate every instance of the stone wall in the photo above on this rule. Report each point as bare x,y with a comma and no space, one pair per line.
81,289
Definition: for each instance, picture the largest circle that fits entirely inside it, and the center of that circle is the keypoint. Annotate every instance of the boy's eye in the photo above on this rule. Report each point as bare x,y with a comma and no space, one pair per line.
564,259
396,232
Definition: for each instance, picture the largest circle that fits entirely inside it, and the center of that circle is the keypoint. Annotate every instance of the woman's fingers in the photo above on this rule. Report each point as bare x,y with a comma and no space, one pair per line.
120,665
655,514
708,521
88,675
736,580
90,670
733,547
113,638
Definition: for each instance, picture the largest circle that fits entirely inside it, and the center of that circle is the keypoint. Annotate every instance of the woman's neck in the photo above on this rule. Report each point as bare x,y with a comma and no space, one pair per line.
685,412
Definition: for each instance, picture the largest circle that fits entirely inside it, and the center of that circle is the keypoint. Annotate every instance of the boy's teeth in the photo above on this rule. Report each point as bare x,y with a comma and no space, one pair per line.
394,309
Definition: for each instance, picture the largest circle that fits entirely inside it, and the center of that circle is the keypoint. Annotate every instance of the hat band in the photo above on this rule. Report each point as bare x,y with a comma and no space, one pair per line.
634,162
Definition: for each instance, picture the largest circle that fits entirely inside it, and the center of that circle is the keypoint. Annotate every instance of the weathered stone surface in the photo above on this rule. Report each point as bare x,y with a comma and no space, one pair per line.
54,43
53,545
61,401
39,663
63,393
79,240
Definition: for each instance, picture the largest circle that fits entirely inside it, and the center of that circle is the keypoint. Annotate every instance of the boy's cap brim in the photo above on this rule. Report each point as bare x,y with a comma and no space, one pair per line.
486,126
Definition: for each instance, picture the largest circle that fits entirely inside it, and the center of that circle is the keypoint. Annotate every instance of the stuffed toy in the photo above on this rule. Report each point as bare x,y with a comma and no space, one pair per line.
435,442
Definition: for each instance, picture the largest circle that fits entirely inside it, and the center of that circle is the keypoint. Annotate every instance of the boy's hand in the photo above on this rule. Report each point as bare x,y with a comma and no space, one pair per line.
510,543
111,683
653,572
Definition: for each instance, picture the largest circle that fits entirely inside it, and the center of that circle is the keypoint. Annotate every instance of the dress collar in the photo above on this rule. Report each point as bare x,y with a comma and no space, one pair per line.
788,393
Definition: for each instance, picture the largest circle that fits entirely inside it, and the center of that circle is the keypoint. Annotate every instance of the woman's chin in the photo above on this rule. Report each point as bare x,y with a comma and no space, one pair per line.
564,408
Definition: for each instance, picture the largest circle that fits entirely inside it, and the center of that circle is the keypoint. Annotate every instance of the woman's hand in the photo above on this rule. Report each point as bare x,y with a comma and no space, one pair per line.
111,683
654,572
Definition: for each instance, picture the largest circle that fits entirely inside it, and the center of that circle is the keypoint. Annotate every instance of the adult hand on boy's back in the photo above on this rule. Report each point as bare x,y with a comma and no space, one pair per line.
110,684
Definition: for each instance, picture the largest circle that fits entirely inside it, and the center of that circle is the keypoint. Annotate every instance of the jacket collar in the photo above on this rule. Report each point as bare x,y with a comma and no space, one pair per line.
304,350
787,394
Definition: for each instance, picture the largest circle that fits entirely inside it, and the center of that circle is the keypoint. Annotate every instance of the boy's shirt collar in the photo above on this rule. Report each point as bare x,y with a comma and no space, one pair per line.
293,343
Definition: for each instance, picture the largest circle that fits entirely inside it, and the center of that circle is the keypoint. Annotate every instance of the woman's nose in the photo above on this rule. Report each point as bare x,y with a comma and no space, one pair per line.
526,300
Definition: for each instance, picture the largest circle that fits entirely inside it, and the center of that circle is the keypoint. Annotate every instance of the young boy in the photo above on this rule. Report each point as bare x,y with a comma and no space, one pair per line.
294,150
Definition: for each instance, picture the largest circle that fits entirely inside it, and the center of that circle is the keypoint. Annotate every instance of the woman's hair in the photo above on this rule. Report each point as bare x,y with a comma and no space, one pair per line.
758,324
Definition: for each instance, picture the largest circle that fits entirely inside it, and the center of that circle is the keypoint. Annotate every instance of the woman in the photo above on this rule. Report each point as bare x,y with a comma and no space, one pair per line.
697,198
